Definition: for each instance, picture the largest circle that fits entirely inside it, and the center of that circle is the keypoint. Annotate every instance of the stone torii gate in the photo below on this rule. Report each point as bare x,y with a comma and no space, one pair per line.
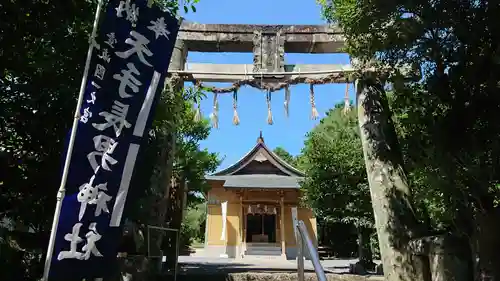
269,43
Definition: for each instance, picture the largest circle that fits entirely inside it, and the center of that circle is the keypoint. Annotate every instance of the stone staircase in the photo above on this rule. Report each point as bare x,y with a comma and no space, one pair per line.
263,250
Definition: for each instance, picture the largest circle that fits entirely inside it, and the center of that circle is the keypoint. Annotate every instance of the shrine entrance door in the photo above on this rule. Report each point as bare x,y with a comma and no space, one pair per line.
261,228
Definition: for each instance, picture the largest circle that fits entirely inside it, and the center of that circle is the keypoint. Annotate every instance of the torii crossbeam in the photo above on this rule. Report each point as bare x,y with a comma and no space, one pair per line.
268,43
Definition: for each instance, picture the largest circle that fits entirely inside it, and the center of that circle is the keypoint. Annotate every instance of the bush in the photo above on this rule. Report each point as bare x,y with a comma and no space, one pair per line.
192,228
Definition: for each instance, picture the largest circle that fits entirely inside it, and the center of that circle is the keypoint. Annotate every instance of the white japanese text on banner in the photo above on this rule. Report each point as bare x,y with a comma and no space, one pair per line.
127,71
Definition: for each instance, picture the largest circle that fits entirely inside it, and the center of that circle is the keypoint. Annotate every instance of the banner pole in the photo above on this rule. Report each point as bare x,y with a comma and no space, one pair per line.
62,187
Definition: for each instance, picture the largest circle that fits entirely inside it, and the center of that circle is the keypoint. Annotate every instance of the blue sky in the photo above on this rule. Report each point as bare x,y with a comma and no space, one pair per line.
232,142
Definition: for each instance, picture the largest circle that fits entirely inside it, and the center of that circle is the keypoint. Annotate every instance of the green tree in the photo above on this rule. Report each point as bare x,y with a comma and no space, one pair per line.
336,184
446,121
41,65
285,155
41,59
189,166
193,224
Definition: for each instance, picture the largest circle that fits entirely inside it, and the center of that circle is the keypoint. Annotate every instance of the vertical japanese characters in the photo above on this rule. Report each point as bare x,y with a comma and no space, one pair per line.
109,125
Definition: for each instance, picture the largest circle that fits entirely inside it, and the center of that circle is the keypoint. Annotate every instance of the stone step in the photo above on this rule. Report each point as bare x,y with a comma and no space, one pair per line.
263,251
263,245
265,248
263,258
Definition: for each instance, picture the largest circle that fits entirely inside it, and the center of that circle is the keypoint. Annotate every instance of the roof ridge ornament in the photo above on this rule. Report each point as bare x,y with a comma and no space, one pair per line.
260,139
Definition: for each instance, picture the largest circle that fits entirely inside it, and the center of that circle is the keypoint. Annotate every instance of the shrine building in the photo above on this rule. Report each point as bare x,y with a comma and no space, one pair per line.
261,192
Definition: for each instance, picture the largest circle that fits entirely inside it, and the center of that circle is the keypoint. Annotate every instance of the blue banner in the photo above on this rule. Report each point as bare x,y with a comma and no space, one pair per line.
127,72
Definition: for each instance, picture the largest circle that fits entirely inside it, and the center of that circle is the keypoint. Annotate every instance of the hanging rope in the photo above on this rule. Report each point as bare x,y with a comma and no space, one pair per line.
270,88
214,116
347,103
287,100
257,83
314,111
197,112
269,113
236,119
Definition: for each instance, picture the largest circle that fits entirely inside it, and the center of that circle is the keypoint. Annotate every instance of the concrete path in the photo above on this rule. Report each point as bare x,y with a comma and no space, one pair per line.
250,264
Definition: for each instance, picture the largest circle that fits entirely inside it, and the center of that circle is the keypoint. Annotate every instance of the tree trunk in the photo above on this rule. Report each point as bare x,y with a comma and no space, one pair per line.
174,221
489,245
158,215
365,254
173,86
395,219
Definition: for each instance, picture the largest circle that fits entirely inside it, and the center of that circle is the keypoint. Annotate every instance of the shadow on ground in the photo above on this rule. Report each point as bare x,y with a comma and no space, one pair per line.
246,272
214,268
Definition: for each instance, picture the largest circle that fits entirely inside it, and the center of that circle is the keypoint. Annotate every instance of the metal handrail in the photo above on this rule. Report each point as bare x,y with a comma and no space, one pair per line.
305,242
177,239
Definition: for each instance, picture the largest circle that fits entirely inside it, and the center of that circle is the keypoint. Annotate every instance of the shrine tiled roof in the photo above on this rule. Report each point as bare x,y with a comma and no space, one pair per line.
259,168
260,153
258,181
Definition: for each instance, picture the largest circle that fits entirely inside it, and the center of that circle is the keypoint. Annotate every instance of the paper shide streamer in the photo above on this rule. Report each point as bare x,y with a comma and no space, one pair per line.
287,100
314,111
236,119
197,112
269,113
347,103
214,116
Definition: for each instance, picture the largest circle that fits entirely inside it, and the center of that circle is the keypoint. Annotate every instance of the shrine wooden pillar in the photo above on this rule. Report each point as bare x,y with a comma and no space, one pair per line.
241,240
245,226
282,224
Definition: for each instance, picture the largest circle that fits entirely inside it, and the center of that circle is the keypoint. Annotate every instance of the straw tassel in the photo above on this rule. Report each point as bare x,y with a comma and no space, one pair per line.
347,103
197,113
269,113
236,119
287,100
214,116
314,111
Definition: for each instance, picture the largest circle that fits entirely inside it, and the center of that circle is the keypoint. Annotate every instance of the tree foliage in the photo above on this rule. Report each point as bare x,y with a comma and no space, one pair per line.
42,52
190,162
453,42
41,58
447,120
40,65
336,182
285,155
193,224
